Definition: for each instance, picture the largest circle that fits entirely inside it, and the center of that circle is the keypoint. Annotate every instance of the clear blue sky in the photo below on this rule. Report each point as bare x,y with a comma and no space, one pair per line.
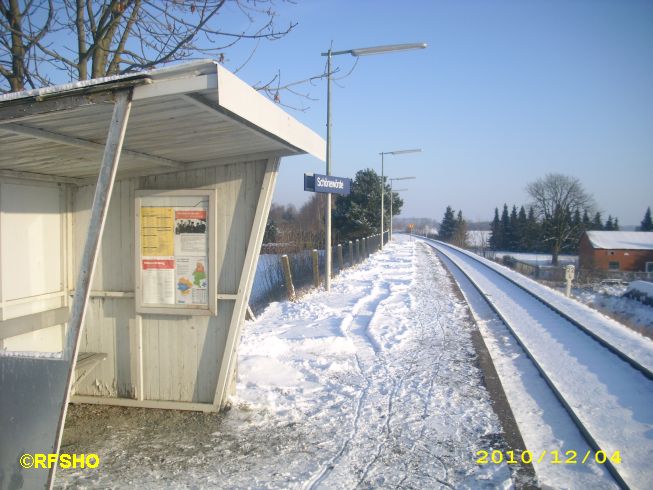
506,92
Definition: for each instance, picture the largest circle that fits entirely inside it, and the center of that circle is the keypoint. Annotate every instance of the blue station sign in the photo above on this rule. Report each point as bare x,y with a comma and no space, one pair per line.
327,184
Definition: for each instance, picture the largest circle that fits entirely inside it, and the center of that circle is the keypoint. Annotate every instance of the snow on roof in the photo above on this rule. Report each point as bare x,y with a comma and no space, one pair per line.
621,240
166,72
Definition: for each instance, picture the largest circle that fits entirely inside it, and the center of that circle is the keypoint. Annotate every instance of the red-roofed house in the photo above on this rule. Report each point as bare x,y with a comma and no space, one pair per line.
630,251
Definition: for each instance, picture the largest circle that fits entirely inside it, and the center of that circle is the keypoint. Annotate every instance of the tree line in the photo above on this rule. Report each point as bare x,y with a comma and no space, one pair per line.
453,228
522,231
356,215
560,212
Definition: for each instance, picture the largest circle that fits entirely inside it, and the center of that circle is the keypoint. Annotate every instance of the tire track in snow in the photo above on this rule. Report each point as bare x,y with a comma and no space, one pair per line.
423,338
355,326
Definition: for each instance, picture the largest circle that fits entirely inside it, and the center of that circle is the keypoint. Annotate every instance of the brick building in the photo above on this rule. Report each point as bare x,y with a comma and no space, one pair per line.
630,251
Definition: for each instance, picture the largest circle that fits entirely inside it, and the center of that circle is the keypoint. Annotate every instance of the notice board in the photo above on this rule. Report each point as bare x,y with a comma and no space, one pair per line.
175,252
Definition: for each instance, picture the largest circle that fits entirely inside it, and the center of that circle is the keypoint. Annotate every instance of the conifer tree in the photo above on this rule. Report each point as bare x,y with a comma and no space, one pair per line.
647,224
586,222
609,225
505,228
532,231
597,222
513,231
447,226
616,224
522,222
495,231
577,224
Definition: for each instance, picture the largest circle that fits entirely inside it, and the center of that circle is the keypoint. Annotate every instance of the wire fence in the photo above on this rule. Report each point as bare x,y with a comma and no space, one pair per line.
271,284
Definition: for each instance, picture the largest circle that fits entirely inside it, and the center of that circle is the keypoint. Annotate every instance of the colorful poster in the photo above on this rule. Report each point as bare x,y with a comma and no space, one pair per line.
174,255
158,281
191,281
157,238
190,232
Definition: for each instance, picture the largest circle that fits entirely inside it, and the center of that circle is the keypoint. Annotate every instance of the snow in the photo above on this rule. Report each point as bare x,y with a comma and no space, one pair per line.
374,384
609,299
641,286
609,397
621,240
167,71
542,421
33,354
631,343
538,259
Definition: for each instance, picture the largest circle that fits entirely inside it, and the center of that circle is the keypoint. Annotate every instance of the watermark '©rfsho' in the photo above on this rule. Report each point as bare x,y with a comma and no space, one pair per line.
65,461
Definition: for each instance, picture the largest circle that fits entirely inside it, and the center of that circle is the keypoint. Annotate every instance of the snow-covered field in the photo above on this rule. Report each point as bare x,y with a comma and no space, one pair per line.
609,300
374,384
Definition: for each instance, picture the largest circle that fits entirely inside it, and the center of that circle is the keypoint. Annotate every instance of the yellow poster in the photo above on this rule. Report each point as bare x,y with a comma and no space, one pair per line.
157,232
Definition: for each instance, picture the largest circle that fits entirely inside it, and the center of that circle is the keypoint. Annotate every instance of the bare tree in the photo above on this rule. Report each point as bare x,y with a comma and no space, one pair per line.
556,198
96,38
22,26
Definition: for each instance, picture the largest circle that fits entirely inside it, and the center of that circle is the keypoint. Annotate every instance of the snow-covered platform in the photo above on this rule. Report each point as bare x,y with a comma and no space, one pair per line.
374,384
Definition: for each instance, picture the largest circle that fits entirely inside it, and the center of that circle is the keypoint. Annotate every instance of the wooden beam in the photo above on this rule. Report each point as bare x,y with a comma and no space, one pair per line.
86,94
230,355
129,402
36,321
63,139
108,294
101,200
14,174
247,157
12,111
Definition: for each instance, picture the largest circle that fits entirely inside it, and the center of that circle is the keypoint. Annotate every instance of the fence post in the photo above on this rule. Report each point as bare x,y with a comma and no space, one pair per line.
340,259
290,288
351,253
358,250
364,246
316,269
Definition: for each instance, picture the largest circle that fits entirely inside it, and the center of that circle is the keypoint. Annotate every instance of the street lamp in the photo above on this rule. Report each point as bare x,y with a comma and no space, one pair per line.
391,191
383,153
354,52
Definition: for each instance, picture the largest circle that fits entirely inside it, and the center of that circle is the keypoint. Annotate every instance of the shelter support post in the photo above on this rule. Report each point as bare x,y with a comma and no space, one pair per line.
101,201
229,357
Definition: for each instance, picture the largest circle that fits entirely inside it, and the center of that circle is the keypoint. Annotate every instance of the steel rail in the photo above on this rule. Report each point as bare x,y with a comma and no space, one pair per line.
619,353
579,424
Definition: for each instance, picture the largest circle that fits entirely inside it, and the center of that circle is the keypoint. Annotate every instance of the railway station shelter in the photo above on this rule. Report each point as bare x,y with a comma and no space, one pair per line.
132,211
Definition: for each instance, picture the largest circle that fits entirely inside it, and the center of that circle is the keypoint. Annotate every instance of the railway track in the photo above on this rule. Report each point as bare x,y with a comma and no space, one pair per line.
603,381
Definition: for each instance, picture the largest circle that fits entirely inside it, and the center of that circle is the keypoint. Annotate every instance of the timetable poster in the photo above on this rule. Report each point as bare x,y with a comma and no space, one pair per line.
174,255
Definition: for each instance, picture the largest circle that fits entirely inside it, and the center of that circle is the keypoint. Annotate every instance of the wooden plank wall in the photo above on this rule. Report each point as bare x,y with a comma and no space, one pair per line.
181,354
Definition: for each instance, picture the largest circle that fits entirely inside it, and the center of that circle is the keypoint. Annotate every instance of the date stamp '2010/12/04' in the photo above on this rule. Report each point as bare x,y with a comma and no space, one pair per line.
570,456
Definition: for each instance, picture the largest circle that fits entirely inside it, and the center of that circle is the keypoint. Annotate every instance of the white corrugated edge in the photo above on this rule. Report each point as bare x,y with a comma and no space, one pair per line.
200,67
242,100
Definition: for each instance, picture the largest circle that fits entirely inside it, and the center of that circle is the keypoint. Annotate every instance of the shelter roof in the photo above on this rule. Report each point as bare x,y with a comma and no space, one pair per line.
187,116
621,240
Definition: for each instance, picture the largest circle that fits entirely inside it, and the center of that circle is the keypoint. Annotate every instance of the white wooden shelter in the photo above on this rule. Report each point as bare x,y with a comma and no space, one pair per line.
74,162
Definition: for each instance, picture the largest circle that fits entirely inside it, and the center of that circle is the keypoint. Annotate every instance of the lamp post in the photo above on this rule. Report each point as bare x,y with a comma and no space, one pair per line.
391,199
383,153
354,52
